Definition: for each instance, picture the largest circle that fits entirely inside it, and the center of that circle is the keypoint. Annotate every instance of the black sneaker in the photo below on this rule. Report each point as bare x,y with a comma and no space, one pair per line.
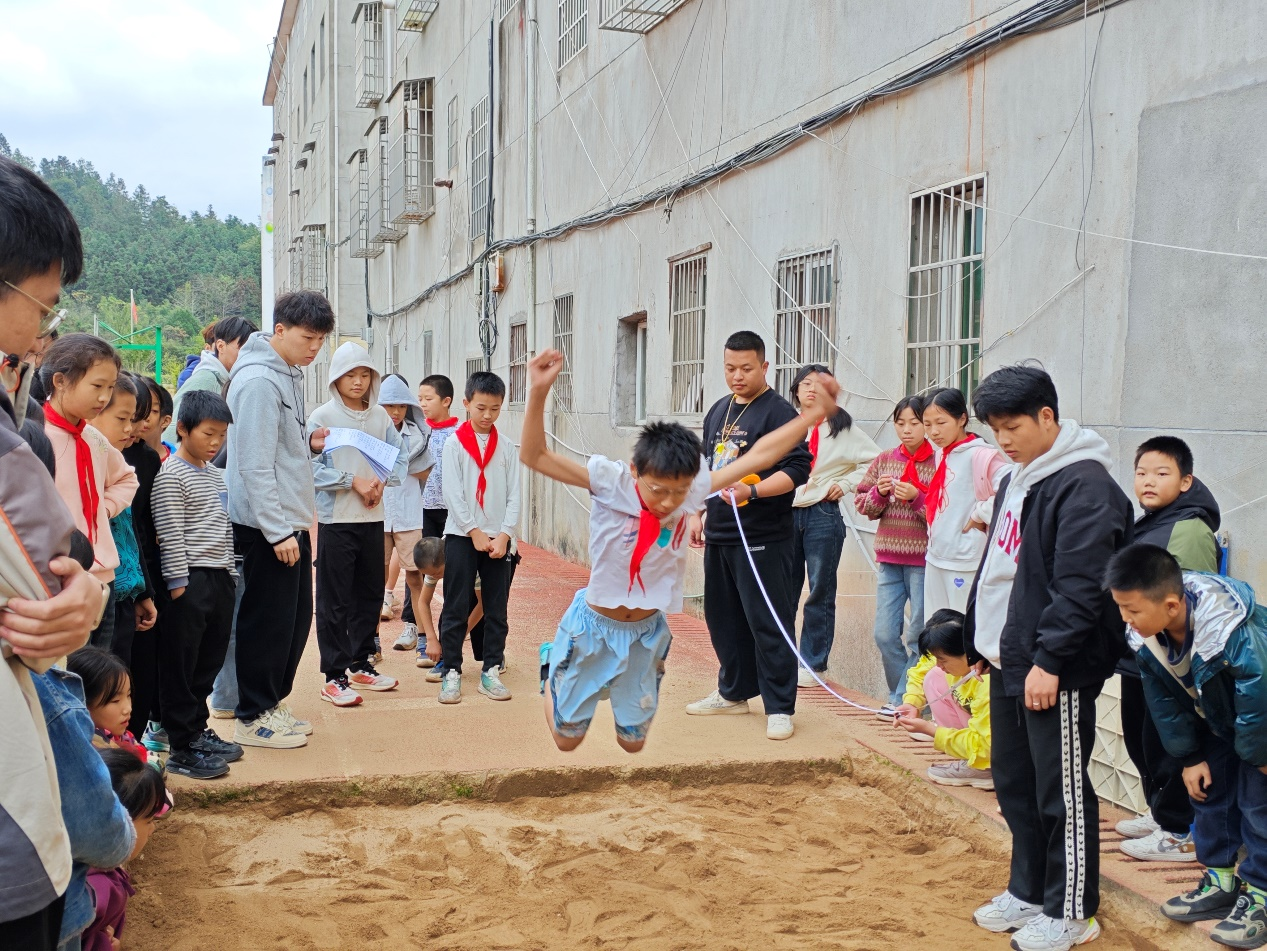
210,743
1206,902
196,764
1246,926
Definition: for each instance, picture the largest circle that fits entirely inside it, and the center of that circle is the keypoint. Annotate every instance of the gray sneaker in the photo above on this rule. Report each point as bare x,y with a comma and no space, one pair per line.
492,687
959,773
1245,927
1206,902
1005,912
408,639
451,687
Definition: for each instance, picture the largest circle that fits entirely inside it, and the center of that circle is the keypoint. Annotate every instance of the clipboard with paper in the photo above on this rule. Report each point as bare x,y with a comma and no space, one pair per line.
380,455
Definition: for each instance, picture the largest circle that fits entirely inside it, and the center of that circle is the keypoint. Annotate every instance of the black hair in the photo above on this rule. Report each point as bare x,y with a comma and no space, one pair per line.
1149,569
837,421
37,230
668,450
73,356
946,398
943,634
1171,446
123,385
232,329
914,402
198,406
144,399
139,787
160,393
490,384
742,340
429,555
1019,390
441,384
103,674
307,309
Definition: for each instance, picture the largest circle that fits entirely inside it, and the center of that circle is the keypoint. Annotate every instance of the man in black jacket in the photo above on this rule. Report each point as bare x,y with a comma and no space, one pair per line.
754,657
1038,613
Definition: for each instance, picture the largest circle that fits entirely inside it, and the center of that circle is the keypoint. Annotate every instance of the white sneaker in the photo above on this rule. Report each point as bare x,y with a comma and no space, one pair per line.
1138,828
389,603
265,731
804,678
778,726
1161,846
1005,912
959,773
888,713
408,639
1055,934
286,717
715,703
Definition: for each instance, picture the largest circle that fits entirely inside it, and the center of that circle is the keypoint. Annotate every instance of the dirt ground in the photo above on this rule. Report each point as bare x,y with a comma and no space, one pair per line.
851,857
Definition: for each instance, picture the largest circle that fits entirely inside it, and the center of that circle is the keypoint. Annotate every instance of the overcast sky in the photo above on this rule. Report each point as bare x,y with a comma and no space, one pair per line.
163,94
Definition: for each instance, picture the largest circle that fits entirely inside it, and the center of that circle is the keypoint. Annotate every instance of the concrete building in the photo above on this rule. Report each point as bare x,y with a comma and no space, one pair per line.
912,193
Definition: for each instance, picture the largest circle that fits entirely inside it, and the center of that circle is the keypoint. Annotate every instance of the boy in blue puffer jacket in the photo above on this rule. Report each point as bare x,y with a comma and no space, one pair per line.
1201,643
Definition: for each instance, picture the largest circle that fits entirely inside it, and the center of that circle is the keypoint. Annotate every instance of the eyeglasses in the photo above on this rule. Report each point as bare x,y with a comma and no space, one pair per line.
51,320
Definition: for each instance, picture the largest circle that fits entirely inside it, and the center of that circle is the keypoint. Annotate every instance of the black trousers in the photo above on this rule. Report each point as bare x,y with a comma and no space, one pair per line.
144,665
754,657
38,931
349,593
462,564
433,522
124,632
1039,760
273,620
103,634
192,641
1161,773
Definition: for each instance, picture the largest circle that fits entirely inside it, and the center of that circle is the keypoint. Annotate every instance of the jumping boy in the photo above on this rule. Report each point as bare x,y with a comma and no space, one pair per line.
1039,614
615,636
195,543
481,494
1201,641
350,567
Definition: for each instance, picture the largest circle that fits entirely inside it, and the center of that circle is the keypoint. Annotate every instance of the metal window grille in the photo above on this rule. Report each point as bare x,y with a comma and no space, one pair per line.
413,155
312,69
297,263
573,28
304,114
479,168
415,13
943,324
804,315
428,353
473,366
688,284
634,16
640,374
381,225
563,392
518,362
321,43
453,132
368,20
315,258
504,7
362,245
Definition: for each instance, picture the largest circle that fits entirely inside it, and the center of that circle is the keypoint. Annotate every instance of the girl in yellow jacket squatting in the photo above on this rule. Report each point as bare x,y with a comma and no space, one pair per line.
959,703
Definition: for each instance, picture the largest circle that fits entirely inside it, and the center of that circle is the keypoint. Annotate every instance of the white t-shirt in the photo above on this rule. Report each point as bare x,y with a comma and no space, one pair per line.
614,529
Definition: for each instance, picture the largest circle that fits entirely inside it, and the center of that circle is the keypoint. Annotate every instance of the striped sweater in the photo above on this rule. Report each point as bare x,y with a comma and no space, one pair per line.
902,535
191,520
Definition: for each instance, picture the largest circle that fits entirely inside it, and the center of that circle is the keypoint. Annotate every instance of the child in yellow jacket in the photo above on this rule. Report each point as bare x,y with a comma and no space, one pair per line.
958,700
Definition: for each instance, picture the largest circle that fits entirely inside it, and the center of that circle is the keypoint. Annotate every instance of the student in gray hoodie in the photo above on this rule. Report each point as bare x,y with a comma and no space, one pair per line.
214,365
271,505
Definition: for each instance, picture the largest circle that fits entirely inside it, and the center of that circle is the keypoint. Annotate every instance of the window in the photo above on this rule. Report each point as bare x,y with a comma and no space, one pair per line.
415,14
381,225
634,16
640,372
321,44
297,263
362,245
629,390
943,324
368,20
473,365
479,169
504,7
518,362
304,114
804,318
314,238
687,292
573,28
563,398
428,353
312,71
413,154
453,132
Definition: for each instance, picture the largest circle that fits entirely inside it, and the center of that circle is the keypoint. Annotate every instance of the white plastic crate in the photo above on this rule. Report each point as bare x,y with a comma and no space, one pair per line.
1112,773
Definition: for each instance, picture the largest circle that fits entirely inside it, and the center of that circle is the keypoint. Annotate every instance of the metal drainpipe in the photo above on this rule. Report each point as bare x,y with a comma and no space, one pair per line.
389,68
530,214
334,149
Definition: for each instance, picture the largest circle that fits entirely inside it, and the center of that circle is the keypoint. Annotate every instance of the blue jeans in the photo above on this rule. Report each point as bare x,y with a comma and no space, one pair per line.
224,695
819,534
1233,814
895,585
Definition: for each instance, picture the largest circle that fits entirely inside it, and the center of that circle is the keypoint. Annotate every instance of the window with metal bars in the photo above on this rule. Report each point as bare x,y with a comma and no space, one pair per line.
804,315
428,353
688,285
413,154
518,362
362,245
314,245
415,14
473,365
453,132
479,169
381,225
297,263
504,7
563,393
368,20
321,45
573,28
943,322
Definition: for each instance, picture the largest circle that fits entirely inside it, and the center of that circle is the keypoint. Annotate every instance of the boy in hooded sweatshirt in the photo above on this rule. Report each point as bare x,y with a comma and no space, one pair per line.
214,365
1038,613
350,514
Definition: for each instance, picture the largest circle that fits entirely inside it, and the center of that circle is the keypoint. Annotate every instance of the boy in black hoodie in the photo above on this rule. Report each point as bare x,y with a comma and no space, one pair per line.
1180,515
1039,615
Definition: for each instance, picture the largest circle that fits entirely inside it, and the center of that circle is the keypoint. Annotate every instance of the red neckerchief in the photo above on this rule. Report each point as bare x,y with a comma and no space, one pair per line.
466,437
910,475
813,446
441,424
937,485
88,497
648,532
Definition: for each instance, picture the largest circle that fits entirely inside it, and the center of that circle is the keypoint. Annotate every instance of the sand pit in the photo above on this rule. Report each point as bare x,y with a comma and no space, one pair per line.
776,856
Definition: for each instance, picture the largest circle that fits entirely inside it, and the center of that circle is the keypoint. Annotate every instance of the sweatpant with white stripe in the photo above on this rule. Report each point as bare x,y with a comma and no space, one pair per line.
1040,758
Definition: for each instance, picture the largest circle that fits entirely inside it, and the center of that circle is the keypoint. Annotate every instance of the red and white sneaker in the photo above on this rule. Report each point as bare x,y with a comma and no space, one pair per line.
371,679
340,694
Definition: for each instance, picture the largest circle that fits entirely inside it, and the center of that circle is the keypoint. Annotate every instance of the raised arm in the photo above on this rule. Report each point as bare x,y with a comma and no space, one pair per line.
543,370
